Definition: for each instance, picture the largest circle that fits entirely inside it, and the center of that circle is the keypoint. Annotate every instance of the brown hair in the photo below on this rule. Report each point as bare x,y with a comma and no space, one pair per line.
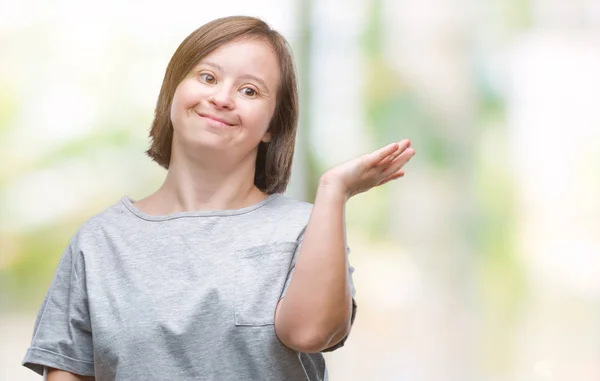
274,159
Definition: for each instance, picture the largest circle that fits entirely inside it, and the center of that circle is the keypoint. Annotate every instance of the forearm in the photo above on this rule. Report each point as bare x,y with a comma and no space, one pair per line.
51,374
317,307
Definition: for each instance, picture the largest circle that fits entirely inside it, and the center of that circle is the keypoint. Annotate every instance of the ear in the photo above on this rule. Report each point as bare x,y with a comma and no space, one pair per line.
266,137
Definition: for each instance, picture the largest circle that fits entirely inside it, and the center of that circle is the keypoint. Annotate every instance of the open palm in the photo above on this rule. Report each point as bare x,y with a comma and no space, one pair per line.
370,170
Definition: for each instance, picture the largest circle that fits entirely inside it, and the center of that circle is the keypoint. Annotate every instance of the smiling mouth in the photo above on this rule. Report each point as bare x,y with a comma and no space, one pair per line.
215,121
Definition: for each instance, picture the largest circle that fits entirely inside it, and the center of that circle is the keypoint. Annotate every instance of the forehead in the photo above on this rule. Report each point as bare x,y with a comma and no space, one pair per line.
248,56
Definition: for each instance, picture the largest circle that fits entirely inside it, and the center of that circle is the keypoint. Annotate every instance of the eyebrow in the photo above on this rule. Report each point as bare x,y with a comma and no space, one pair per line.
245,76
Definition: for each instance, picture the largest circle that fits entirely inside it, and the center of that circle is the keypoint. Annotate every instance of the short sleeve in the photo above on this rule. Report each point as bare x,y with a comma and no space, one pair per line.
62,335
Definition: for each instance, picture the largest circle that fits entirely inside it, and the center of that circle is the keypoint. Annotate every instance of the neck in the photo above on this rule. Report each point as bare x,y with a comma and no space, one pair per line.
217,184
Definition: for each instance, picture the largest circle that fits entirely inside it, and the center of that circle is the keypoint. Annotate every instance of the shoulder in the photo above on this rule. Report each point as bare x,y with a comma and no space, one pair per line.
290,208
100,224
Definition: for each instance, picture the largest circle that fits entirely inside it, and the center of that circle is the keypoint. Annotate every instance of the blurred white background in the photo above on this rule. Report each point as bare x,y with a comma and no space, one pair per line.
482,264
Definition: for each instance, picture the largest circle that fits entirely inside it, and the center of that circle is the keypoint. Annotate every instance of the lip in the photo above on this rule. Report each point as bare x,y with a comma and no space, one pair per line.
216,119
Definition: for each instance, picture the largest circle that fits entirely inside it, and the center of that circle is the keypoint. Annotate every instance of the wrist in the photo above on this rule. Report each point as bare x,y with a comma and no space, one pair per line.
332,187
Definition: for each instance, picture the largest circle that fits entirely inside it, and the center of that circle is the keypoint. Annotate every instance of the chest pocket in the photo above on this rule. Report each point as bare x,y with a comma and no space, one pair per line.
260,274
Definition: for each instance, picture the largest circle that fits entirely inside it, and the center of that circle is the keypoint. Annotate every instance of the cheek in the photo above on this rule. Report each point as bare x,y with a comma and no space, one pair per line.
183,100
176,104
176,112
260,118
186,96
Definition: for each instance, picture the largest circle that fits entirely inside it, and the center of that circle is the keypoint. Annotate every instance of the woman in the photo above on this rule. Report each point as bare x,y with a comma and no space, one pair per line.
189,282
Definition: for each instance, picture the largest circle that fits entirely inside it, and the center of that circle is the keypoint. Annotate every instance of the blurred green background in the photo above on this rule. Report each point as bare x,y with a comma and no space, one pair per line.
482,263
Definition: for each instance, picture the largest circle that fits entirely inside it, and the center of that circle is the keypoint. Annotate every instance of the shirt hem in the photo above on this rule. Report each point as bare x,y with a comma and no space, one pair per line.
37,358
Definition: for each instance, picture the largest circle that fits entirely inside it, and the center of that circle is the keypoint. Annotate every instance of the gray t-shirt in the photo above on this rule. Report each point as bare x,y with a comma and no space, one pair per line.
188,296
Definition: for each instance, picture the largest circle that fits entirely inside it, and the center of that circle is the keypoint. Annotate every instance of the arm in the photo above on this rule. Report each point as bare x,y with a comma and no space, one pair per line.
52,374
316,310
62,335
307,318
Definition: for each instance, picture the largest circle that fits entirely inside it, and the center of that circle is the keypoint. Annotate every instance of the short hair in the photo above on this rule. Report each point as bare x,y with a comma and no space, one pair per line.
274,159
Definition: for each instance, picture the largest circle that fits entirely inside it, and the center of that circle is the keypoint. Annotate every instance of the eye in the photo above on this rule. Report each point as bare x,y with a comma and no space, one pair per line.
208,78
249,92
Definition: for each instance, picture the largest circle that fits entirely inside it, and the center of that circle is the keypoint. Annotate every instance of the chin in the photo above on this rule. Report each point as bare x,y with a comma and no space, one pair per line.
207,140
199,139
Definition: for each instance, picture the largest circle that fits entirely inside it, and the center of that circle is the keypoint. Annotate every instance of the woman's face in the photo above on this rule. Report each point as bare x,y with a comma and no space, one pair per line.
227,100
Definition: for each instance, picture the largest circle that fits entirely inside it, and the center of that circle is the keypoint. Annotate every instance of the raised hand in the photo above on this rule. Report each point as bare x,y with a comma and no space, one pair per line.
370,170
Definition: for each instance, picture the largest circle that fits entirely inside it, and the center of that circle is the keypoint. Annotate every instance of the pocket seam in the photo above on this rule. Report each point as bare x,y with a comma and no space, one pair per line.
268,249
287,247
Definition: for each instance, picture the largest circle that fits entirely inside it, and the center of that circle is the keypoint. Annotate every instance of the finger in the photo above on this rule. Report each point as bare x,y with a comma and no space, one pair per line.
395,176
381,154
388,159
402,146
399,161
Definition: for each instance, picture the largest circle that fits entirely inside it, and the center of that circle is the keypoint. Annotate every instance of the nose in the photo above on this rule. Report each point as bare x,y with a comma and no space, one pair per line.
222,98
